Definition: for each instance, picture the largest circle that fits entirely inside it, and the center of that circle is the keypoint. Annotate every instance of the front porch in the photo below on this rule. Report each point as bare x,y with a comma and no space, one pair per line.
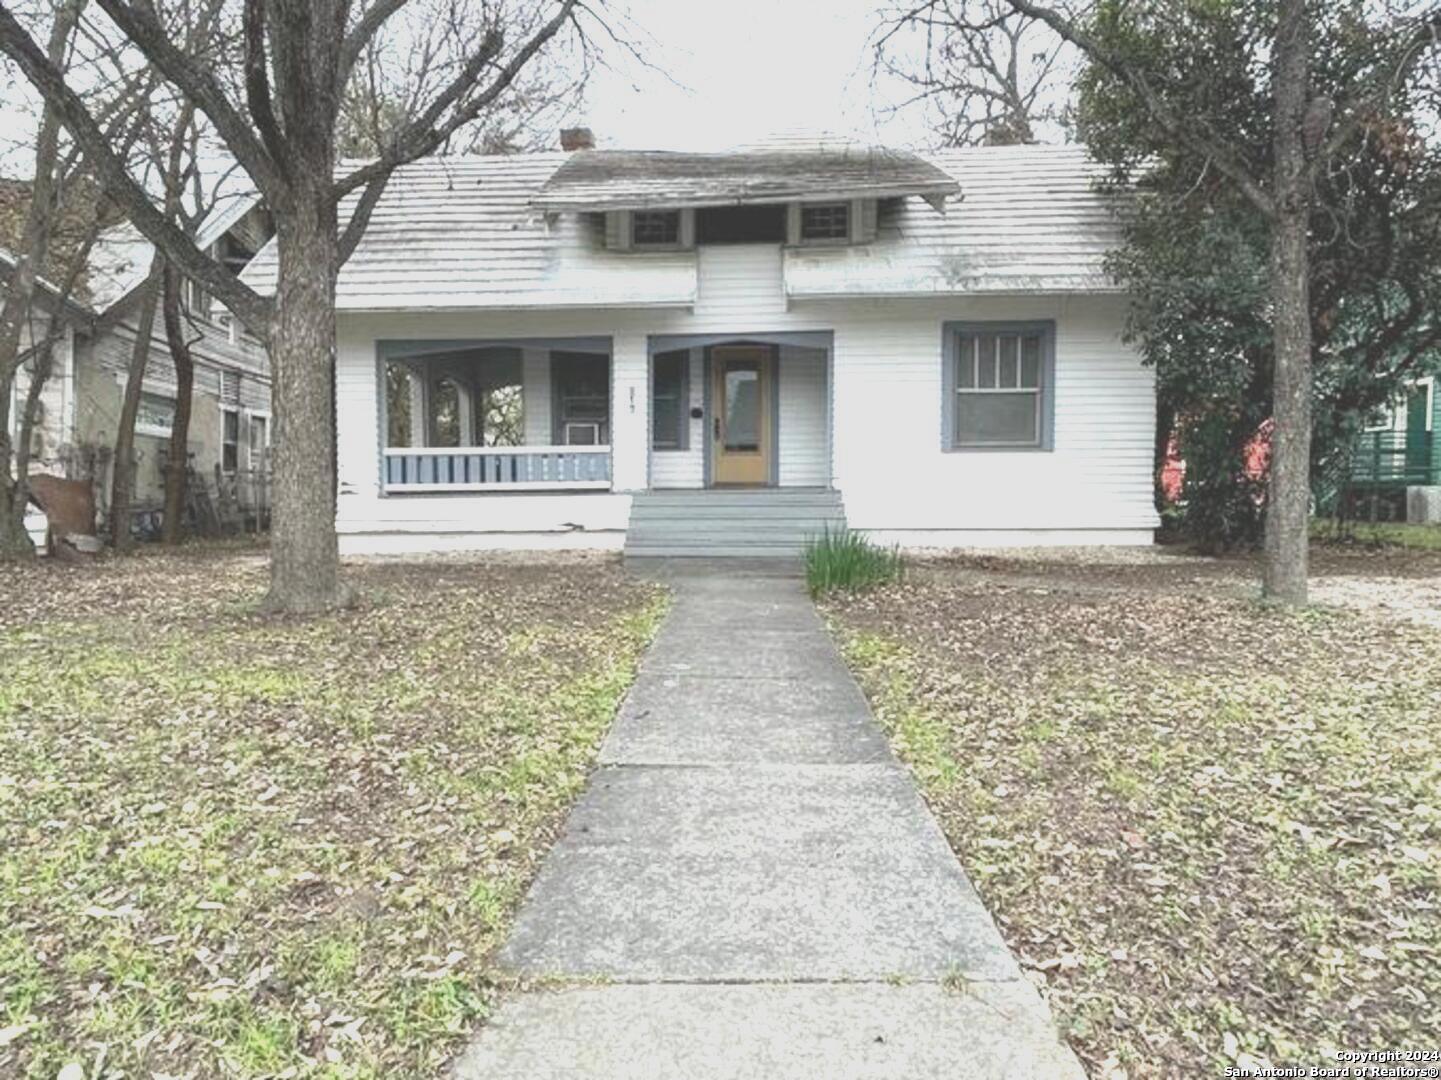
525,439
541,415
477,416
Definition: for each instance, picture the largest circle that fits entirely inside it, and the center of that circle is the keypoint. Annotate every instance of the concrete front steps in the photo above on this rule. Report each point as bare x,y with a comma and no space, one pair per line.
731,522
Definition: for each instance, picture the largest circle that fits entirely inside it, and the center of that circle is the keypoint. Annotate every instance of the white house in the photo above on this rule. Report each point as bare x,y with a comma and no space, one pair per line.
723,353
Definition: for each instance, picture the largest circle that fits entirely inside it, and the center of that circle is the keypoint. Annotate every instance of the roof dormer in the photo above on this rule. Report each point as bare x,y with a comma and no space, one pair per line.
661,201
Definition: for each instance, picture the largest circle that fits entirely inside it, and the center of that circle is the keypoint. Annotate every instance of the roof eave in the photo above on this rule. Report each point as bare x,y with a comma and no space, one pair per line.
935,194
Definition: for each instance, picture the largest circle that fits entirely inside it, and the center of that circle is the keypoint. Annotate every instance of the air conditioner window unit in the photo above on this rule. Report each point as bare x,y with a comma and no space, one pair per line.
582,433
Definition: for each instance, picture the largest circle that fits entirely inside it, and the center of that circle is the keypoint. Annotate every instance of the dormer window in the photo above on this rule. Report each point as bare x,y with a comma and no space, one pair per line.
655,228
826,221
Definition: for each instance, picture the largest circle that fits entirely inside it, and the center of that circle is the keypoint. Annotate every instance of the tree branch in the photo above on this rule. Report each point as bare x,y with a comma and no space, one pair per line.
1222,156
431,129
360,36
257,84
143,26
360,216
253,309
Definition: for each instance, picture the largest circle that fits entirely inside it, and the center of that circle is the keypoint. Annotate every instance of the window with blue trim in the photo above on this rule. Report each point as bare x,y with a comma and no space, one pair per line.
999,386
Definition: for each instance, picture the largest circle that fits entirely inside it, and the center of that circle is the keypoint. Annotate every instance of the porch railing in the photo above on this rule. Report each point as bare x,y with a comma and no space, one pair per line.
1398,458
497,468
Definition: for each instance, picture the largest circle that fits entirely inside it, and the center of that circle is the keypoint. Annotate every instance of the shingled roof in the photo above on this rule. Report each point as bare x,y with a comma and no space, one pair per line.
465,233
650,179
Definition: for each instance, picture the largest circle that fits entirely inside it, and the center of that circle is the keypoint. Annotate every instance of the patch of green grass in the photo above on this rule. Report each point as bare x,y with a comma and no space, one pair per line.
1380,534
234,846
848,560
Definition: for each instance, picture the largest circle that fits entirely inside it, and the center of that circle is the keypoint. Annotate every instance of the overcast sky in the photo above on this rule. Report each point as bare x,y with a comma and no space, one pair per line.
732,72
743,70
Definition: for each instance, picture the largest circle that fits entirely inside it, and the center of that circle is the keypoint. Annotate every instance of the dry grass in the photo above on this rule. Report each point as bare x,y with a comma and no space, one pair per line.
1211,829
238,846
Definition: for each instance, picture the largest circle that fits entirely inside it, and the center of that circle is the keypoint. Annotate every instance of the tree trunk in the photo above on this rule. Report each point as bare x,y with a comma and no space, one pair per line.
122,476
304,554
179,454
15,542
1288,508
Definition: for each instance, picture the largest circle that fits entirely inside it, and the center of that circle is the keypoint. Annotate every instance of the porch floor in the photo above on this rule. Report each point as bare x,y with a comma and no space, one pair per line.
731,522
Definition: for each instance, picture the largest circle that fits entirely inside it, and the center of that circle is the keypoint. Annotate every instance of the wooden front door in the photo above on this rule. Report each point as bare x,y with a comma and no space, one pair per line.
742,439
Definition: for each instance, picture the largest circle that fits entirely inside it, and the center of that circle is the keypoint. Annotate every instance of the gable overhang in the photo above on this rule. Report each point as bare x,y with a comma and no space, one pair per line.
601,180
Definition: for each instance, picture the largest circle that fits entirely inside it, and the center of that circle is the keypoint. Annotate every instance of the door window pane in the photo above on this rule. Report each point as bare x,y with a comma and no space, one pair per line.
742,406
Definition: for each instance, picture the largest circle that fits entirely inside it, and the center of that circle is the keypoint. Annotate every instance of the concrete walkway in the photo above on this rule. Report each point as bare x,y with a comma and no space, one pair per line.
751,886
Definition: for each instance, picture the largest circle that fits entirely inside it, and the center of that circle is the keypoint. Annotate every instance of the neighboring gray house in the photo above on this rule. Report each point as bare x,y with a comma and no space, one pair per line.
81,403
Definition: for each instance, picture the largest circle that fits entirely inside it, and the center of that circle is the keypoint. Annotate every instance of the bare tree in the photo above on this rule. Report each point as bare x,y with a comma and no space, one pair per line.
985,74
62,210
178,343
298,58
171,141
394,80
1305,141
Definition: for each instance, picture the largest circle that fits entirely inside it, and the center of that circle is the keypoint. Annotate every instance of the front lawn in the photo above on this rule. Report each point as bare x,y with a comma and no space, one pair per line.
1378,534
239,846
1212,830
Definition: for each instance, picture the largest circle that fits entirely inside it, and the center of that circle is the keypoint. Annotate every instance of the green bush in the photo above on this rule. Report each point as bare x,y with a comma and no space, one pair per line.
847,560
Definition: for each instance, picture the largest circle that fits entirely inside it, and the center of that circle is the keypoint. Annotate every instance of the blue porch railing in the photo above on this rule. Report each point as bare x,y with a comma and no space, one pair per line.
497,468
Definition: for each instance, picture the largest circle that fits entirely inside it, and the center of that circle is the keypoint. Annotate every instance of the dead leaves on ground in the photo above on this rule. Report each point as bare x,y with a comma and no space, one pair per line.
236,846
1208,828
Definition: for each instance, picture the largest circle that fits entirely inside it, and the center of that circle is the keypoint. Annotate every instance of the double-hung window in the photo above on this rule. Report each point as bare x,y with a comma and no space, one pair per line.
998,386
670,420
229,440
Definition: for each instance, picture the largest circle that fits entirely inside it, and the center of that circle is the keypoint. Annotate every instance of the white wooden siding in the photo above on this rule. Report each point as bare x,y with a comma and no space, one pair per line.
889,464
740,281
802,413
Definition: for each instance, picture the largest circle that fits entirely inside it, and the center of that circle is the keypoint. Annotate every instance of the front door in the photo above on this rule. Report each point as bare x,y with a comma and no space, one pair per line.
742,439
1418,449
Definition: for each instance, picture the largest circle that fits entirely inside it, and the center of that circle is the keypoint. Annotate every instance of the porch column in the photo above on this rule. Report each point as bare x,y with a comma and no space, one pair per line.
535,396
630,413
419,413
465,411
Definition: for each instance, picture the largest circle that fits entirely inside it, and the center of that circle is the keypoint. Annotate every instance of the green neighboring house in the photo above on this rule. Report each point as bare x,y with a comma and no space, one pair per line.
1394,470
1400,448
